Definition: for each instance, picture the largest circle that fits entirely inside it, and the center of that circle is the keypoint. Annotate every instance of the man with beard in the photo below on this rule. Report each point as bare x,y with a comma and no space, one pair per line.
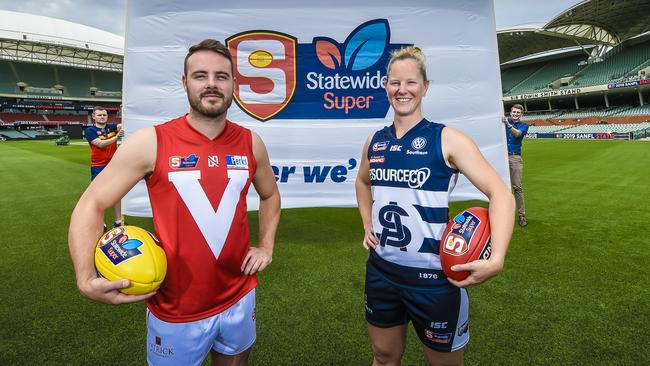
198,168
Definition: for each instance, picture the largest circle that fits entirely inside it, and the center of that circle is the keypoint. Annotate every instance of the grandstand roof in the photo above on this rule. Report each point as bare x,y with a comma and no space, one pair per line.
35,38
523,41
604,22
620,19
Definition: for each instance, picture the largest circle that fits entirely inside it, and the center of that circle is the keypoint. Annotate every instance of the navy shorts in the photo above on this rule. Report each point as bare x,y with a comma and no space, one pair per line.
95,170
440,315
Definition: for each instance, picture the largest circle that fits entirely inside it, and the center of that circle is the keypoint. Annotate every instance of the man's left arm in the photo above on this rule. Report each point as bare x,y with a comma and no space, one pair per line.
261,256
117,128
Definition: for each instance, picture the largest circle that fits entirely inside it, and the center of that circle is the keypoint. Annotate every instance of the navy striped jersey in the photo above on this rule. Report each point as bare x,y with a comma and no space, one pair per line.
410,184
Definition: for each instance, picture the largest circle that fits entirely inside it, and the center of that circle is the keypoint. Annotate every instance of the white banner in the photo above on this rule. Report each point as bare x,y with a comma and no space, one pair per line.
309,80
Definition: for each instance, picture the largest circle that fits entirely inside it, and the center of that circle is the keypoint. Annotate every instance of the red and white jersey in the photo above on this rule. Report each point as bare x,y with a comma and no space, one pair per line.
198,198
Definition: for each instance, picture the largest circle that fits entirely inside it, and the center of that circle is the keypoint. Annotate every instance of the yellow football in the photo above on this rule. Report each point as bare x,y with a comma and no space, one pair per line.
133,253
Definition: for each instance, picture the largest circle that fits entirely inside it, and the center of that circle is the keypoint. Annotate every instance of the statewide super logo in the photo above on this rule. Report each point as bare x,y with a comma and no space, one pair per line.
461,234
279,78
118,247
183,162
380,146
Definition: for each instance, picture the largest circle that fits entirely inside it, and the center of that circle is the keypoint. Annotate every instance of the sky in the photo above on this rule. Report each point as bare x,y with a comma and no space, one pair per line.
110,15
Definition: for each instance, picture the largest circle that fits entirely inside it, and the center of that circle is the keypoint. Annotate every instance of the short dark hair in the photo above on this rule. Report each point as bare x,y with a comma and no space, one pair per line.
99,108
209,45
518,106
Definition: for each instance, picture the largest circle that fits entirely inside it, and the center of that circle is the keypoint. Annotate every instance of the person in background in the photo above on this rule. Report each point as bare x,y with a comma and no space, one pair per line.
102,137
515,132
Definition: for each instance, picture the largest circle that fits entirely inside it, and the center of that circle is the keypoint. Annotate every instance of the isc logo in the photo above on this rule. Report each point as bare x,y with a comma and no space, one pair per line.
265,70
455,245
438,325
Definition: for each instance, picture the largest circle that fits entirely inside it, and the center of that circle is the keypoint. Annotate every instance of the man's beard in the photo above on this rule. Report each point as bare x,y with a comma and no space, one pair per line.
212,111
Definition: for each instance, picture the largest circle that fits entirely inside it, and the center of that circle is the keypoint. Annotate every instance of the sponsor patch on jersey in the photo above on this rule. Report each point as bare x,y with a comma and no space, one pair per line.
237,161
121,248
380,146
159,349
415,178
377,159
418,143
416,152
437,337
183,162
213,161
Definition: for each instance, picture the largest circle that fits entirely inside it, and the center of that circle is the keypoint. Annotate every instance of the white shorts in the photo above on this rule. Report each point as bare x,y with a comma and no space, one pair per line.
230,333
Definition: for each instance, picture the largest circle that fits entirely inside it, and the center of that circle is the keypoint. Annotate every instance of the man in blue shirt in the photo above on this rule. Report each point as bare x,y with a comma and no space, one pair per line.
515,132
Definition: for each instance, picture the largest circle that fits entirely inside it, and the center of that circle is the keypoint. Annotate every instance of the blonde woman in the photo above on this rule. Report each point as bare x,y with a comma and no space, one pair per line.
406,174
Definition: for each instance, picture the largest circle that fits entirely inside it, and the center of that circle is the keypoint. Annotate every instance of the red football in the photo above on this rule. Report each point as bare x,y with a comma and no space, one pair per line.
466,239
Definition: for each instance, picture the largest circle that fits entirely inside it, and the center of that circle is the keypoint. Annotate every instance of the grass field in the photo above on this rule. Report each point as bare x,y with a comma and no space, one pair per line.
575,290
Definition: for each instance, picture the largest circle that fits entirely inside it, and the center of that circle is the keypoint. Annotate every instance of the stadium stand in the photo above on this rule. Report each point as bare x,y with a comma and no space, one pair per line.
641,129
31,133
41,79
547,129
67,118
13,134
608,128
35,75
77,82
511,78
107,81
52,74
617,65
15,117
642,110
586,70
7,78
540,115
547,73
620,64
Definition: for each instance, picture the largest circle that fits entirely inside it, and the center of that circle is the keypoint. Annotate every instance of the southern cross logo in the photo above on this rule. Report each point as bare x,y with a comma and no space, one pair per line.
279,78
